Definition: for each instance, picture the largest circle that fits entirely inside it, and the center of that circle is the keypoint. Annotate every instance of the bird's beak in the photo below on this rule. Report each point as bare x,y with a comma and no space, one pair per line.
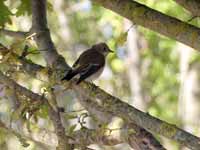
110,51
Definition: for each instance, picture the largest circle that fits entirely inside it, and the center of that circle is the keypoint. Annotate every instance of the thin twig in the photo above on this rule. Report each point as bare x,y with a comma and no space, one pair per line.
16,34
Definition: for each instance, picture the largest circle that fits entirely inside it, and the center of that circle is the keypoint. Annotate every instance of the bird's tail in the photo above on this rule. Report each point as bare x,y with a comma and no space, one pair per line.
71,73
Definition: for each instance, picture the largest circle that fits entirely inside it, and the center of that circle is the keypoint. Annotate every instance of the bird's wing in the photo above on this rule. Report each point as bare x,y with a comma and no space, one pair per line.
84,56
88,71
76,63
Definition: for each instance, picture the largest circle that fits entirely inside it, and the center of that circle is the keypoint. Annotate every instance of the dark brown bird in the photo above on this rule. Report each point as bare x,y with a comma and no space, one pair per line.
90,63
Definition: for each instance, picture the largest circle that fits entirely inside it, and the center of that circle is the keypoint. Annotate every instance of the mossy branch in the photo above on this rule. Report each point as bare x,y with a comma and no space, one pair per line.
192,6
112,105
155,20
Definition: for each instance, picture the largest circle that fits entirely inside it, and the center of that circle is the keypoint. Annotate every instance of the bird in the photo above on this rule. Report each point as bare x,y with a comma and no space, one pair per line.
90,63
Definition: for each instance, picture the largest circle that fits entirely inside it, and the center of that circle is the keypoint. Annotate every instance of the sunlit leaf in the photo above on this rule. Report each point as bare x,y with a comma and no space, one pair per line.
71,129
24,8
43,111
122,39
5,14
70,116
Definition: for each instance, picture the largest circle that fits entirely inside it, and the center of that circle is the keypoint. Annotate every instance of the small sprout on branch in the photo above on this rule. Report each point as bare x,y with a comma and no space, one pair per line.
71,129
123,37
81,119
30,37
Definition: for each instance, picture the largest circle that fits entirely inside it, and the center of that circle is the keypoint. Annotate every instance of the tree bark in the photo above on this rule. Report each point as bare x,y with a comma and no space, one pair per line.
128,113
43,37
191,5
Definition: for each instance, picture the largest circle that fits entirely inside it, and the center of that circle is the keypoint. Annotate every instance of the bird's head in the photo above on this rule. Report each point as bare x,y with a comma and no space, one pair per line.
102,48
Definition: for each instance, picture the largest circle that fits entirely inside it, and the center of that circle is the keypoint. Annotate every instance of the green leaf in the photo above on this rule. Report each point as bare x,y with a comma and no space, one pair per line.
24,8
70,116
122,38
43,111
71,129
5,14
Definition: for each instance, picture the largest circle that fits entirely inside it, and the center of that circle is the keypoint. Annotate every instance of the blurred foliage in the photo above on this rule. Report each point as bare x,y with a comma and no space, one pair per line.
5,14
89,24
24,8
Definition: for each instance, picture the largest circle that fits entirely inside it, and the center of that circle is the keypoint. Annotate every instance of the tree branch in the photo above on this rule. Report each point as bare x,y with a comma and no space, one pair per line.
37,71
141,139
135,136
11,83
115,106
63,140
91,136
154,20
16,34
191,5
55,116
53,59
84,136
43,38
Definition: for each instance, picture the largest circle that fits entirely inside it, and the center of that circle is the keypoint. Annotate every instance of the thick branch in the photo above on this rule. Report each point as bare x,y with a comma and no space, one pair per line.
191,5
63,140
84,136
16,34
116,107
141,139
11,83
154,20
43,38
53,59
91,136
135,136
55,117
34,70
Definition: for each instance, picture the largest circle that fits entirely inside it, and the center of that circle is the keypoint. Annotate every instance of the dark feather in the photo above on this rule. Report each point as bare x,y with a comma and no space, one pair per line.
87,64
69,75
90,56
93,68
